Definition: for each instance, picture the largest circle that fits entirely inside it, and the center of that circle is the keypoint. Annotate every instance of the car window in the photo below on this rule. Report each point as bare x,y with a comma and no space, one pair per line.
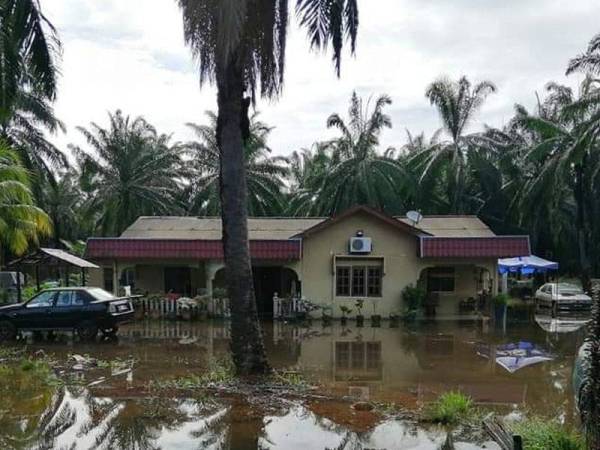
43,300
101,294
80,298
64,298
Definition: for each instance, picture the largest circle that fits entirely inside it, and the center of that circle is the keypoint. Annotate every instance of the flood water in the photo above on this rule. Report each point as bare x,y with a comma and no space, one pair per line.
408,366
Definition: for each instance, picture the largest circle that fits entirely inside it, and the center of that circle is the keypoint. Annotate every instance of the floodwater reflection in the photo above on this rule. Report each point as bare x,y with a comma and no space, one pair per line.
408,366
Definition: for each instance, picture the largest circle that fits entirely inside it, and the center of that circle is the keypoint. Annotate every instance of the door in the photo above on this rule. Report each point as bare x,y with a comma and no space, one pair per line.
178,280
37,312
267,281
69,308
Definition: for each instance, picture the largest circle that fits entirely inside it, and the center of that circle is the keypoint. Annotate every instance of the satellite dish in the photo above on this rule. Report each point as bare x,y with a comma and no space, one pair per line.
414,216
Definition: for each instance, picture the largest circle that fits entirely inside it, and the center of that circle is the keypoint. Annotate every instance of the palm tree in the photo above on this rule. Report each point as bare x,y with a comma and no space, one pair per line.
358,174
456,103
240,45
265,174
128,171
588,61
29,55
21,222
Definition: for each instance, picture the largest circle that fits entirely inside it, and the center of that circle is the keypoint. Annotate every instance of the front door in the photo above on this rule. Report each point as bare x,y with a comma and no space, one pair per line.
178,280
37,312
267,281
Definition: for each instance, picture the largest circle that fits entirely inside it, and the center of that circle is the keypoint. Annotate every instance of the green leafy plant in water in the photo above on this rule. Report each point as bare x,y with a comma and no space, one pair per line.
220,372
540,434
501,299
359,305
451,408
345,310
292,379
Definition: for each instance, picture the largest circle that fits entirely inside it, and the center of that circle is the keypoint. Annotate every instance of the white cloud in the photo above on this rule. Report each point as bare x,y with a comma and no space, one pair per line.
131,55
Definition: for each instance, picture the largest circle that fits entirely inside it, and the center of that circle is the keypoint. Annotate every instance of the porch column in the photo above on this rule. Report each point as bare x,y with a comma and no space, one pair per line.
495,279
115,268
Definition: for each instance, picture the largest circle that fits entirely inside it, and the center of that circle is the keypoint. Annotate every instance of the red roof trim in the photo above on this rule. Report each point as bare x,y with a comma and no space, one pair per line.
474,247
396,223
126,248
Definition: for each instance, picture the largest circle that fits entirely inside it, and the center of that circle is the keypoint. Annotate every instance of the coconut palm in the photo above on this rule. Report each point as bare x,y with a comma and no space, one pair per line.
21,222
128,170
29,54
456,102
588,61
265,174
358,174
240,45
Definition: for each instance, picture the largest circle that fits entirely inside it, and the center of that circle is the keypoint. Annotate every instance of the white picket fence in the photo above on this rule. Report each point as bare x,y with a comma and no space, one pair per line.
168,308
288,308
152,329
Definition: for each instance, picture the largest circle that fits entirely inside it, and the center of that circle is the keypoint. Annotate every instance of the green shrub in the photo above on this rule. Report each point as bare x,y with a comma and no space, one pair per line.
539,434
413,297
501,299
450,408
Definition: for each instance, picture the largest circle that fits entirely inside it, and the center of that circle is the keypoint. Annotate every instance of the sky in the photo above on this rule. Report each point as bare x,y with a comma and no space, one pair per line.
130,55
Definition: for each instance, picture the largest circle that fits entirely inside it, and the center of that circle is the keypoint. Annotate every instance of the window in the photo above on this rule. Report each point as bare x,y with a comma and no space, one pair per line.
64,298
44,300
343,281
358,281
374,282
440,279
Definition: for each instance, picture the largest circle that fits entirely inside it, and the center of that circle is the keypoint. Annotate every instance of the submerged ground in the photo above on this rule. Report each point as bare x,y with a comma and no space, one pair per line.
165,385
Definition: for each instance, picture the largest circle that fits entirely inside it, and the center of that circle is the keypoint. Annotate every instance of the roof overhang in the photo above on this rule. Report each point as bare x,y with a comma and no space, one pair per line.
473,247
132,248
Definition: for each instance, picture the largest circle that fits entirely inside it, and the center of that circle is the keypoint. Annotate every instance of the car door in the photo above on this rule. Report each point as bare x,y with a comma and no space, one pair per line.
69,308
36,313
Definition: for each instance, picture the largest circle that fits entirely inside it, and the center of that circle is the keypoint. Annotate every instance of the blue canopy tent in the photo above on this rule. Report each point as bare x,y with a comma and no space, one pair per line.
526,265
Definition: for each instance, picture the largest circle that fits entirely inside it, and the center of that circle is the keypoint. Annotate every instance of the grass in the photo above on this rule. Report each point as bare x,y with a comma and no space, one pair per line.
220,372
27,372
451,408
540,434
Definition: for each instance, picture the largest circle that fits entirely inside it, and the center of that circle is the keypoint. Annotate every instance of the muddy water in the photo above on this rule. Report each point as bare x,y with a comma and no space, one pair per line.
109,406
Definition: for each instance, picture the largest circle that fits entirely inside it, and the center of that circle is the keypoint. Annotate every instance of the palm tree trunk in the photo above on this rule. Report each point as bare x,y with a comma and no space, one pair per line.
246,335
582,241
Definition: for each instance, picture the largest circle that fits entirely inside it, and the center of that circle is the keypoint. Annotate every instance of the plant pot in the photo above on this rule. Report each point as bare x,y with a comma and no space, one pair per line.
360,320
344,321
376,321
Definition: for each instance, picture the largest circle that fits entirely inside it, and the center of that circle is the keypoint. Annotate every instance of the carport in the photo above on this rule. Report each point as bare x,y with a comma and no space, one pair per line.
52,257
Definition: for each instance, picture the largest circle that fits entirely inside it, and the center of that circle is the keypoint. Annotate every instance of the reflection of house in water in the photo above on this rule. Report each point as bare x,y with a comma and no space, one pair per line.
358,361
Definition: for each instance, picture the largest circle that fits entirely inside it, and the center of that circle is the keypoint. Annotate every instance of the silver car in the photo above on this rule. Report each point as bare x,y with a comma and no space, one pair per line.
562,297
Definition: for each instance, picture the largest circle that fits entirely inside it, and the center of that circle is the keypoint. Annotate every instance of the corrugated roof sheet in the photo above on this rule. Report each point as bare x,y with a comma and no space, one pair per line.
469,247
125,248
452,226
209,228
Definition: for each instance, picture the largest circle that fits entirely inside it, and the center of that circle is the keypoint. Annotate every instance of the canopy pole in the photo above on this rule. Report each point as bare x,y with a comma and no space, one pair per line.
19,294
83,276
37,277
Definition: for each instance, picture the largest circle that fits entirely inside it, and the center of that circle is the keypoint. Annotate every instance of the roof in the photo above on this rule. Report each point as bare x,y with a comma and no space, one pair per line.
209,228
452,226
406,227
124,248
474,247
45,255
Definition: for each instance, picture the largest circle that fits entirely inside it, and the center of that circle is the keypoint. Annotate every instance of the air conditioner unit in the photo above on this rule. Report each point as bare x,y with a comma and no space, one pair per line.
360,245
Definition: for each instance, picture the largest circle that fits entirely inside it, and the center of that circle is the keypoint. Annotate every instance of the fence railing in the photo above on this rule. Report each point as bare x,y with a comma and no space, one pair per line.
182,308
289,307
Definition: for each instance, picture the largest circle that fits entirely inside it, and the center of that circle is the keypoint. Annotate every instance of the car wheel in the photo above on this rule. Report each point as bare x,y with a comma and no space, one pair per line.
110,331
7,331
87,331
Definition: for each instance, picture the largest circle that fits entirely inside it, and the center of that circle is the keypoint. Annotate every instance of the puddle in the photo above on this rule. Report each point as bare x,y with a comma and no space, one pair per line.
108,405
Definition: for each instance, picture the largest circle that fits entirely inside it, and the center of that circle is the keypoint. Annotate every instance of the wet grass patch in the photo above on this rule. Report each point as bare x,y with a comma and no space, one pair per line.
451,408
220,372
541,434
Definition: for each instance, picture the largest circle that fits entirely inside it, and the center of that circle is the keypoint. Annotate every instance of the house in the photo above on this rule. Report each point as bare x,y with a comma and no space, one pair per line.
358,254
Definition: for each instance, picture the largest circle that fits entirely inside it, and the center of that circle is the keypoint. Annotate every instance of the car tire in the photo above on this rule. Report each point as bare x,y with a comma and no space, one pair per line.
112,331
7,331
87,331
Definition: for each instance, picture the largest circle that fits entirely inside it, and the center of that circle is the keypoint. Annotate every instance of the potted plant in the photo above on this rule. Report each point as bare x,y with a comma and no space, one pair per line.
360,319
326,315
345,311
375,318
413,298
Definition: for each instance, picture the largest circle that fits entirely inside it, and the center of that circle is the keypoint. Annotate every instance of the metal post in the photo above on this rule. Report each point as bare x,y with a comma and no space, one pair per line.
83,276
37,277
19,295
67,276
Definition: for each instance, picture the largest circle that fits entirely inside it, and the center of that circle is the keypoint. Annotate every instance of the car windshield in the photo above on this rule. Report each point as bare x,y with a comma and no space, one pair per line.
567,288
101,294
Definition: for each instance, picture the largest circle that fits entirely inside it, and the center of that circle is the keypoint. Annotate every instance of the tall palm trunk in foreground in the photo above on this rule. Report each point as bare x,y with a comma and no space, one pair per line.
247,344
